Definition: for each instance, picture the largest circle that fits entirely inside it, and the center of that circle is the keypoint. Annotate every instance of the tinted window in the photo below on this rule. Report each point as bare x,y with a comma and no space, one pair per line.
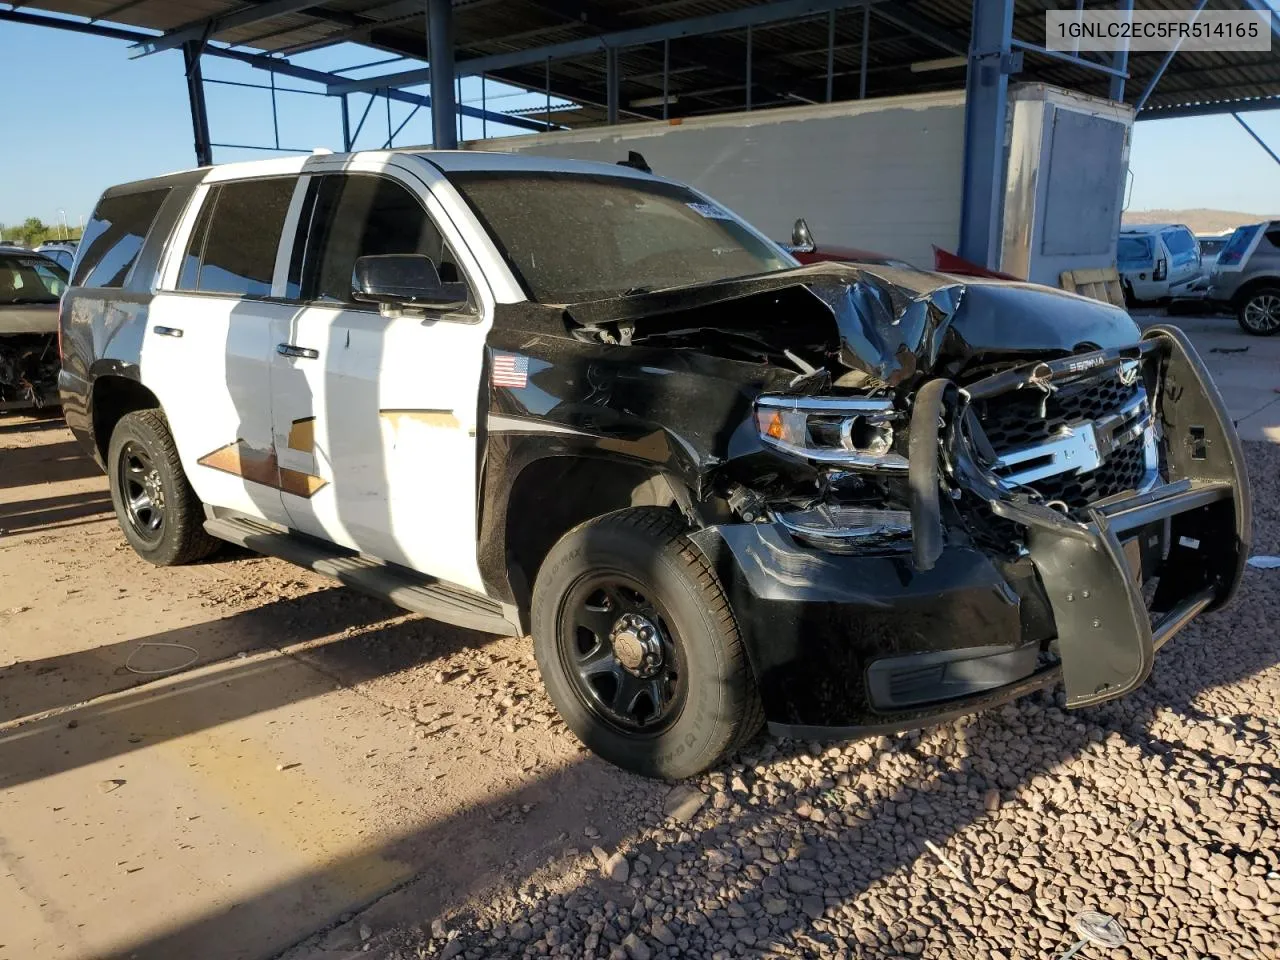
358,216
114,237
577,237
30,279
238,255
195,245
1233,252
1179,241
1273,237
1133,249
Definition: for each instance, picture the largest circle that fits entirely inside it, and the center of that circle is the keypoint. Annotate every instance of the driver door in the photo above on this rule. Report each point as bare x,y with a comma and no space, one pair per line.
379,413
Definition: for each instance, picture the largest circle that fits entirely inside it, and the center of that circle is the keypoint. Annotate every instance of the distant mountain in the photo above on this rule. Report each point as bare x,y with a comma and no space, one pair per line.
1199,220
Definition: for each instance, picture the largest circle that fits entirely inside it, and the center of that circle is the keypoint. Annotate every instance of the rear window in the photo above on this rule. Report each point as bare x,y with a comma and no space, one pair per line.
114,237
233,245
1133,249
1179,241
1234,251
25,280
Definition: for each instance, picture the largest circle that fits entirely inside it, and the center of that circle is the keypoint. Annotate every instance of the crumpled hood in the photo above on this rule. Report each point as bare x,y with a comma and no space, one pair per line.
868,325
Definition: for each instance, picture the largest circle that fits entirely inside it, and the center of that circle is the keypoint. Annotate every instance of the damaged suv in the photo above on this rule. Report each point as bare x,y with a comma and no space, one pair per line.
521,394
30,287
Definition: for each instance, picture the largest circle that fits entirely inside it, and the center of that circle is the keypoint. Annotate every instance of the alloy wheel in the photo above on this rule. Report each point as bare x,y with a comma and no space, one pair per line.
141,491
1262,313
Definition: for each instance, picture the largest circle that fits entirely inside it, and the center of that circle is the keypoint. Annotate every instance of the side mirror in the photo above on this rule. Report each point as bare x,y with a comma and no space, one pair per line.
801,238
405,279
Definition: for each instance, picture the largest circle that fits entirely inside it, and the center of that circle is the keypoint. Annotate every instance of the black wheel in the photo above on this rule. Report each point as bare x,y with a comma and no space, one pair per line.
158,511
1259,313
638,647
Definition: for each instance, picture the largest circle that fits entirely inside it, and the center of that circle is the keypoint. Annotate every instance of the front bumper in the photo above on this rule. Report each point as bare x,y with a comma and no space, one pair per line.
847,645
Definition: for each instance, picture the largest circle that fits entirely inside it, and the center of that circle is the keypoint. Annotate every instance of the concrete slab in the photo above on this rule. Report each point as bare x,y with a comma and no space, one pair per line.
1246,370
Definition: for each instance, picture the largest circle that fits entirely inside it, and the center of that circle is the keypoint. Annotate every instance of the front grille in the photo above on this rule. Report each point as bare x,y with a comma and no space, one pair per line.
1015,419
1123,470
1027,418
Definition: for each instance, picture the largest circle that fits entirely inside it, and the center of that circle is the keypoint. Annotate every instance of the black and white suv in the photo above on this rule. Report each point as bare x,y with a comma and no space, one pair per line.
720,488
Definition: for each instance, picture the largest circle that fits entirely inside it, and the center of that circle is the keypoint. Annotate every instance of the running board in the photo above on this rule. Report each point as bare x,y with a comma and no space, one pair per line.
403,587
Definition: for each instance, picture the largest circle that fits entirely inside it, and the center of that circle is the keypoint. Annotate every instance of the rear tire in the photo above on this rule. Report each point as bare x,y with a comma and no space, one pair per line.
639,649
161,516
1259,314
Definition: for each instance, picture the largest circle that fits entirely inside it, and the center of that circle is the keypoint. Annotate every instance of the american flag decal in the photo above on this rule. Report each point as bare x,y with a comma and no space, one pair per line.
510,370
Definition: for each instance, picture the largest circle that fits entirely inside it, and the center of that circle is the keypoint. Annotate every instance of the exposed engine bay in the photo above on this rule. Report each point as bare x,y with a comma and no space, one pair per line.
29,368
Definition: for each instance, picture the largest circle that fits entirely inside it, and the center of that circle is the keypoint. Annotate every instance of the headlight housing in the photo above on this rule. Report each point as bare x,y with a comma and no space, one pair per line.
852,432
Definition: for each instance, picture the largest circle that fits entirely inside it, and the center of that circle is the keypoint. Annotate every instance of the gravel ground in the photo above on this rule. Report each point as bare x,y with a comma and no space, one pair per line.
983,838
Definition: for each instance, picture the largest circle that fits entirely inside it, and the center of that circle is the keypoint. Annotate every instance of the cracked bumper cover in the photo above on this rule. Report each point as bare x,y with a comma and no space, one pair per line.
850,645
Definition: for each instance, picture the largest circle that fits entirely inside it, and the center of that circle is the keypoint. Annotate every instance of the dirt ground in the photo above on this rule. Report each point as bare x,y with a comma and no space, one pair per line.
238,760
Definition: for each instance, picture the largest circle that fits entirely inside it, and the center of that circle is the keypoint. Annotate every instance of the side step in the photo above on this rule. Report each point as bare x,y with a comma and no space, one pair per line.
412,591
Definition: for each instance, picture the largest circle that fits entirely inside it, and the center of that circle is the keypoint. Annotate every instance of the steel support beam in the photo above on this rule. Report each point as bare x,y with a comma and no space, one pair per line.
986,100
262,62
740,19
1210,109
212,26
1120,59
612,84
1253,133
1164,65
195,96
917,23
444,108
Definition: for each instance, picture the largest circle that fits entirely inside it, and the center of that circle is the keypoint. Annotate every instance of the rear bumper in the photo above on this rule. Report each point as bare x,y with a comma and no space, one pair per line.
848,645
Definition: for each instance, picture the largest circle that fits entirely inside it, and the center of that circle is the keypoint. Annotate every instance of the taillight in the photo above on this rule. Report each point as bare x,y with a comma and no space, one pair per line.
1162,269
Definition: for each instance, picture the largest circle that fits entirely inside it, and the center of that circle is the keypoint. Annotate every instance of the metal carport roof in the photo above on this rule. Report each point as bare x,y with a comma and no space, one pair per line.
911,46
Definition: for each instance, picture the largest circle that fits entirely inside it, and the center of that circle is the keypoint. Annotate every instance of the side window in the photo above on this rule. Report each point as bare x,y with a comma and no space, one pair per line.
114,236
1179,241
1273,237
236,236
356,216
195,245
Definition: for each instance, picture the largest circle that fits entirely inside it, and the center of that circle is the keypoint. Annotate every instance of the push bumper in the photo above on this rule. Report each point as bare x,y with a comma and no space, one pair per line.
850,645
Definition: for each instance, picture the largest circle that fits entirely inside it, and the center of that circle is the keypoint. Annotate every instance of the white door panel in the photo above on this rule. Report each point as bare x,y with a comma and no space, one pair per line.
381,412
376,418
214,384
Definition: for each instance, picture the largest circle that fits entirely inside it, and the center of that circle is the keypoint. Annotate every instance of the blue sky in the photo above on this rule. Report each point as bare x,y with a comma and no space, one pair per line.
95,118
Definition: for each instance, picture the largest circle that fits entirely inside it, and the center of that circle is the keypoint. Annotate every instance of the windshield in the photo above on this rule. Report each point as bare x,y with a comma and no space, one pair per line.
573,237
30,279
1133,249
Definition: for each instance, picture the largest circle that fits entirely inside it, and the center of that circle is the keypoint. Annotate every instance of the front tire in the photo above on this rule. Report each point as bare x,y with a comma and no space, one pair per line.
160,514
639,649
1259,314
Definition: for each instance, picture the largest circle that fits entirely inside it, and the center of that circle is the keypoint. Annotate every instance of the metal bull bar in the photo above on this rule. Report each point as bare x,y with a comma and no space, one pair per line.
1107,632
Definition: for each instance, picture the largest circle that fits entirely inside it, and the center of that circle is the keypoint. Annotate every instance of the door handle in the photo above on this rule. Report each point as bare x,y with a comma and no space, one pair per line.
167,331
290,350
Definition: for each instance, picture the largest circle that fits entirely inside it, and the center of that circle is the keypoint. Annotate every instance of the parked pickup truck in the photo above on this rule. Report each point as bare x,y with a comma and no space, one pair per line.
523,394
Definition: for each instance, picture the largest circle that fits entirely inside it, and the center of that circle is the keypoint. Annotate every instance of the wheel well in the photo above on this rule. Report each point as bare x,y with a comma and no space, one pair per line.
1250,287
550,497
112,398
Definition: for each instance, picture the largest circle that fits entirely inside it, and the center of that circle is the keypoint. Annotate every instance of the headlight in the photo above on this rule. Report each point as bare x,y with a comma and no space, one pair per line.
854,432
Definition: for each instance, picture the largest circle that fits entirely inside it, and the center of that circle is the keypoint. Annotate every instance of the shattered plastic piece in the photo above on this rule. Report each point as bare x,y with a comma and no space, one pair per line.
1263,562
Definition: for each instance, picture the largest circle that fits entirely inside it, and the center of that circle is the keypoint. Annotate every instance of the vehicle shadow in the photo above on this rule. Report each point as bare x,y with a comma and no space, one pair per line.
44,512
46,463
346,636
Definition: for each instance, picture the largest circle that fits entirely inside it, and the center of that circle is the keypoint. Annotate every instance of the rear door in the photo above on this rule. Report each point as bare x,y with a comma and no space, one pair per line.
380,410
206,352
1136,260
1184,254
